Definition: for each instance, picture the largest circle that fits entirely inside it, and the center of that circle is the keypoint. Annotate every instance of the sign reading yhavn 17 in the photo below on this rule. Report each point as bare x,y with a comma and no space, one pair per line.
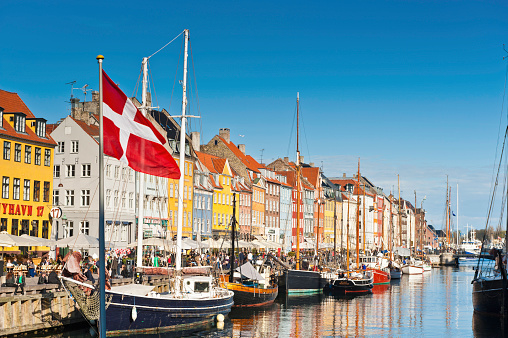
21,210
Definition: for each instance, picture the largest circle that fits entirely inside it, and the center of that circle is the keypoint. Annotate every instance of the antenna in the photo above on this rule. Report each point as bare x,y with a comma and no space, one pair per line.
506,56
84,89
72,87
261,161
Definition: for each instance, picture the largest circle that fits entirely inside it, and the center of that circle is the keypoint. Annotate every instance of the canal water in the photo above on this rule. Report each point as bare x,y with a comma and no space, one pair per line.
436,304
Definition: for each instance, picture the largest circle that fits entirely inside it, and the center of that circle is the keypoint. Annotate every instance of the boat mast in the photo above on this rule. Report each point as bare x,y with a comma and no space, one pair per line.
334,226
297,183
390,234
233,226
363,224
178,262
347,235
400,213
358,218
141,176
457,216
447,214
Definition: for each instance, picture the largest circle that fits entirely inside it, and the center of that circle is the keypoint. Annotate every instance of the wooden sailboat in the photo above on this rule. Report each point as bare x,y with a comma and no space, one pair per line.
250,288
193,300
356,281
297,281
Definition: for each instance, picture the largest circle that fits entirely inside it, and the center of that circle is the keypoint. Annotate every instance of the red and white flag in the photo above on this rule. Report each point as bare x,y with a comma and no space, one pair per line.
131,138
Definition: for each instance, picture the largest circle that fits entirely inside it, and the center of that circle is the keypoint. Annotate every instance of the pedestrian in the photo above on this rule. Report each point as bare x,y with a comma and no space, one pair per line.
20,282
31,268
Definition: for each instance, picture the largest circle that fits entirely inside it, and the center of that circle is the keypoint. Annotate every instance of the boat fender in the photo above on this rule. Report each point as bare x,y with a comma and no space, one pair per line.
220,318
134,314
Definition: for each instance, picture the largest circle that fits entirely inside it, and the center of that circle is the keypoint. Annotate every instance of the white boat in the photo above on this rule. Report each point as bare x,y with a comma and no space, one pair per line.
412,270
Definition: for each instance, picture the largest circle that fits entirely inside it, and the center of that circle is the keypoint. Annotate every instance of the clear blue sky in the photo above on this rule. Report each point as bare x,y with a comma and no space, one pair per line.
411,87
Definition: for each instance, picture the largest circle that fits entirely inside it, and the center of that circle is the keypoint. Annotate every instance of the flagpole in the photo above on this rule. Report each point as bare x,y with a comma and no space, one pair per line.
102,246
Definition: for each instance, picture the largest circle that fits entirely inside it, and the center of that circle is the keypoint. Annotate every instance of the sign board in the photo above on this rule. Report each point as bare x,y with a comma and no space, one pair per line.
56,212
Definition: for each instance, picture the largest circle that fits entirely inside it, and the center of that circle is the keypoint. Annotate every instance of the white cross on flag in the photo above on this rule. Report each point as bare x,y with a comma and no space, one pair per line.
131,138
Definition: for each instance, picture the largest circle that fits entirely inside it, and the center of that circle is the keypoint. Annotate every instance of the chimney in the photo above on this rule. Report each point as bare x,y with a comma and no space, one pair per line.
311,164
286,159
195,140
224,133
301,159
95,96
344,175
241,147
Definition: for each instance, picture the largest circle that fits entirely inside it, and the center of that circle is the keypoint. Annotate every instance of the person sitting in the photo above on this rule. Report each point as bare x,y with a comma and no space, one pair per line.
53,278
88,274
124,272
9,280
43,279
20,283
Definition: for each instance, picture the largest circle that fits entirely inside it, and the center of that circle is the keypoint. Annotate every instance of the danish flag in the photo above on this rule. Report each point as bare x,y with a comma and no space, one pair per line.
131,138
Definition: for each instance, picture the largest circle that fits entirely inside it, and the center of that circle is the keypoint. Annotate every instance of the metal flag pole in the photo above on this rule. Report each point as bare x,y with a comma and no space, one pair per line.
102,246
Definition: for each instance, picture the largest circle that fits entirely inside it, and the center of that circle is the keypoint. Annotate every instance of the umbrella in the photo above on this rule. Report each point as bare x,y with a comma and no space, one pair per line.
39,240
188,243
153,241
80,241
9,240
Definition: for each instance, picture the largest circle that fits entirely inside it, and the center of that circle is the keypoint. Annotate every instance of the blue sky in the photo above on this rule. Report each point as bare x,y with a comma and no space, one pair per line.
411,87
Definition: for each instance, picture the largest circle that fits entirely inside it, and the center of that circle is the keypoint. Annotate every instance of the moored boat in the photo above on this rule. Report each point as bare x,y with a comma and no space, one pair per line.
354,283
380,276
412,270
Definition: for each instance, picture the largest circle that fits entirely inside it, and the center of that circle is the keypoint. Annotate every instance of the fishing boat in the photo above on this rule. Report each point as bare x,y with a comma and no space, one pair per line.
250,288
299,281
411,269
193,299
379,267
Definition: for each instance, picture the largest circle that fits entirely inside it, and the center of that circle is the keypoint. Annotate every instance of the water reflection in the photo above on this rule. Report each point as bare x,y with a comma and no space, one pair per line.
435,304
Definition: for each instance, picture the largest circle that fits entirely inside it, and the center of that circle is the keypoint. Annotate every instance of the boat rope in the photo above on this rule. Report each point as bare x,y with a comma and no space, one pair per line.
167,44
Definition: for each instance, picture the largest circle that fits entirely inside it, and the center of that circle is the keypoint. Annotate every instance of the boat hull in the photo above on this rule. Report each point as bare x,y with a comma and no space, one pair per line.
301,282
380,276
344,286
249,296
395,274
412,270
489,297
161,314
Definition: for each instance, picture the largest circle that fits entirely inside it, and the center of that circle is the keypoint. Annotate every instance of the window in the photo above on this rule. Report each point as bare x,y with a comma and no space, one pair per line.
108,170
37,156
7,150
3,222
117,171
86,170
131,200
124,199
68,229
85,198
26,190
40,128
69,197
45,192
84,227
56,171
115,199
71,170
61,147
45,229
56,197
37,191
28,154
171,190
16,186
108,197
124,233
17,152
35,229
14,227
47,157
131,175
25,227
124,174
74,147
5,187
19,123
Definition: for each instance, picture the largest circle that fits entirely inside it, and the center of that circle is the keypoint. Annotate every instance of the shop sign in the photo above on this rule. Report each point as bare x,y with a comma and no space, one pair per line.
21,210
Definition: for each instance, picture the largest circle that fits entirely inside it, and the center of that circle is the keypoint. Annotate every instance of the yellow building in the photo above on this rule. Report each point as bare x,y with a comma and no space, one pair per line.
186,197
221,178
329,221
26,170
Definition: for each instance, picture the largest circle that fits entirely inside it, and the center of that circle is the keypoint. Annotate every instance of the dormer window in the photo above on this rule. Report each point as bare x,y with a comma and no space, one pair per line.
40,128
19,122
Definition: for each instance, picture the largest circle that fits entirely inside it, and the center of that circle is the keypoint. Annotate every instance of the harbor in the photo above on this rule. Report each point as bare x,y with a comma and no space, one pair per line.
434,304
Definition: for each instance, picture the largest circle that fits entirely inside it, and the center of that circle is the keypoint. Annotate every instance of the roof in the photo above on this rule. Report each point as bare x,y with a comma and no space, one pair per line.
12,103
247,160
312,175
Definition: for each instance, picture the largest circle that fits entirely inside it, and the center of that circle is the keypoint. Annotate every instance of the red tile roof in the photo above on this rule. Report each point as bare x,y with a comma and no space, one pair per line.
311,174
247,160
12,103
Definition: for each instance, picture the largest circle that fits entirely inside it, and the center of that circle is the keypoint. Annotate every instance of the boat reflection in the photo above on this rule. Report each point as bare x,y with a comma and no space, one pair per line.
489,326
